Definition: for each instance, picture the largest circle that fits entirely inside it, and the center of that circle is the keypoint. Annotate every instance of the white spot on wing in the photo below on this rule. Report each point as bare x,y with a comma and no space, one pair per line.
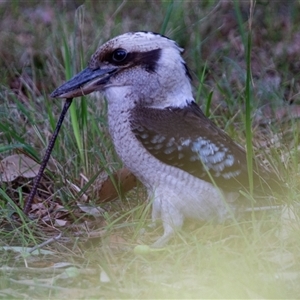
215,157
180,156
158,139
158,146
231,174
144,136
170,142
229,160
169,150
186,142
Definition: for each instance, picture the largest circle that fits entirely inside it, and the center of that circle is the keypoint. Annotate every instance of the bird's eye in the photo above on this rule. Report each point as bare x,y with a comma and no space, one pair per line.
119,55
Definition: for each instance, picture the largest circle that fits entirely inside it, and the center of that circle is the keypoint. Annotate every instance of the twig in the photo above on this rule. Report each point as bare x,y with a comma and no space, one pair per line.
45,271
40,285
45,243
51,240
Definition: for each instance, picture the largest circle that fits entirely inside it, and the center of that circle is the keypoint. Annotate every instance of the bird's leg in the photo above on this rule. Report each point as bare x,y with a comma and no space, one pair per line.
171,218
156,212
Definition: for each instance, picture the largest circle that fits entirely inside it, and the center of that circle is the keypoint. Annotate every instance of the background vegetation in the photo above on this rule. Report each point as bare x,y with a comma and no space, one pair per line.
45,43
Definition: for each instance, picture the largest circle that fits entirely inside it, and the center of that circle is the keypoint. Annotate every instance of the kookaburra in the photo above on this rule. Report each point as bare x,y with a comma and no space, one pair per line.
191,168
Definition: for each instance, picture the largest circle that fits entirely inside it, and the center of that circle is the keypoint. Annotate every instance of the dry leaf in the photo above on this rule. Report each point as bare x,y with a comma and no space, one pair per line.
104,277
25,250
60,223
17,165
122,178
91,210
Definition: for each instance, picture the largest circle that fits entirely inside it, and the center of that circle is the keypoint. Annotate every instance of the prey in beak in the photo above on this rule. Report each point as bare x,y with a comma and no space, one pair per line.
92,78
84,83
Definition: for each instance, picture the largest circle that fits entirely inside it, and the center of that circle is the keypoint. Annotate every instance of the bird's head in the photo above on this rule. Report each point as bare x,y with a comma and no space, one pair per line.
145,67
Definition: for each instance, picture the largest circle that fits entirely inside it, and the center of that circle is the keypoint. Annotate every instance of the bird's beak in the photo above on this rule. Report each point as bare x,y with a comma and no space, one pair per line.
85,82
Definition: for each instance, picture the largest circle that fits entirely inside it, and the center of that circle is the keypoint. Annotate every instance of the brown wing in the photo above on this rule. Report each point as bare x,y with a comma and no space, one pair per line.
186,139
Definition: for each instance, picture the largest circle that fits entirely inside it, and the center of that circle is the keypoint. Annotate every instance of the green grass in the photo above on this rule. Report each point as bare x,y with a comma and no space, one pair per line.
235,73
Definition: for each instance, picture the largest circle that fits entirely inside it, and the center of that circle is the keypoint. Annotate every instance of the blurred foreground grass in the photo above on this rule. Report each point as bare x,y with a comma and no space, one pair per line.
45,43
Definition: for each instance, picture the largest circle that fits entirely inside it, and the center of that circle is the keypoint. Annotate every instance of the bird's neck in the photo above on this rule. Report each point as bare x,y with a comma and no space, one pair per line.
128,148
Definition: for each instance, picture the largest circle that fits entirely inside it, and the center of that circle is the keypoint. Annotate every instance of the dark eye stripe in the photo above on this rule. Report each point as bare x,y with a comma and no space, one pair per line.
147,60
